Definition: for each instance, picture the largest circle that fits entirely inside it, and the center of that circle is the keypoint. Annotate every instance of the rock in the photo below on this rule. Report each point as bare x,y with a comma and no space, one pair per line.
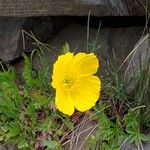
7,147
137,61
13,41
10,31
129,146
121,40
42,28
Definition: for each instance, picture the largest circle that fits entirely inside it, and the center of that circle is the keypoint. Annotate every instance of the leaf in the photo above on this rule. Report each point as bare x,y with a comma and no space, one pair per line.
40,100
66,48
105,130
7,106
132,120
13,130
23,144
28,73
117,130
51,145
31,111
8,84
46,125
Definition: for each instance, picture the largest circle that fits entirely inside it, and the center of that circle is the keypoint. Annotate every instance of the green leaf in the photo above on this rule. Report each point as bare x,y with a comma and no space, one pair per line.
8,84
66,48
132,120
117,130
46,125
51,145
31,111
28,72
7,106
13,130
22,144
40,100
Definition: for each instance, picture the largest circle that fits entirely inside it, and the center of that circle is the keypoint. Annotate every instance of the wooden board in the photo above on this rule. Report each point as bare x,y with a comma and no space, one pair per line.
26,8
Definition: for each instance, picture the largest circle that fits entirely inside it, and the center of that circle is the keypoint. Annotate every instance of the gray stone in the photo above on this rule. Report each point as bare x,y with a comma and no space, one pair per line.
10,36
13,41
138,60
7,147
42,28
129,146
121,40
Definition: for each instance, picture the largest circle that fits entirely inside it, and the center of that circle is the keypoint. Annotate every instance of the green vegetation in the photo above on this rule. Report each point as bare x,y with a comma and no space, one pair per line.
29,119
27,115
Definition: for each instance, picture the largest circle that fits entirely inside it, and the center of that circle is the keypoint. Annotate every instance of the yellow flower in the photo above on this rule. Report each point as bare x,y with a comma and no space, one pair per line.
76,86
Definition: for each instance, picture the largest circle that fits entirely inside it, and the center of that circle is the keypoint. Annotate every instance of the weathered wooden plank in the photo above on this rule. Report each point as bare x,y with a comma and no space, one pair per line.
73,7
70,7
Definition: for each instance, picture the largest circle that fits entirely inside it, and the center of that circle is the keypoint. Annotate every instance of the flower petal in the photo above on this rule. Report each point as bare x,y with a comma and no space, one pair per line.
85,64
60,66
86,93
64,102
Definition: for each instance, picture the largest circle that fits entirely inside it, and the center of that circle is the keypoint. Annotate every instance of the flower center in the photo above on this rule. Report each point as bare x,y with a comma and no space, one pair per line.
68,80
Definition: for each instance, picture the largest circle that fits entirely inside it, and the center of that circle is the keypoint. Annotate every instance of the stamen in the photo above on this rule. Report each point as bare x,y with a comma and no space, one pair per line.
68,80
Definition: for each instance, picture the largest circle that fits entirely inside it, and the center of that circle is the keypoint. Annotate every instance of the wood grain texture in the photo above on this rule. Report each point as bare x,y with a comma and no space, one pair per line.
72,7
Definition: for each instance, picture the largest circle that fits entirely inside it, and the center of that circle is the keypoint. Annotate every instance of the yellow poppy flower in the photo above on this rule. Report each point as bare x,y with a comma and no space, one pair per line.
76,86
